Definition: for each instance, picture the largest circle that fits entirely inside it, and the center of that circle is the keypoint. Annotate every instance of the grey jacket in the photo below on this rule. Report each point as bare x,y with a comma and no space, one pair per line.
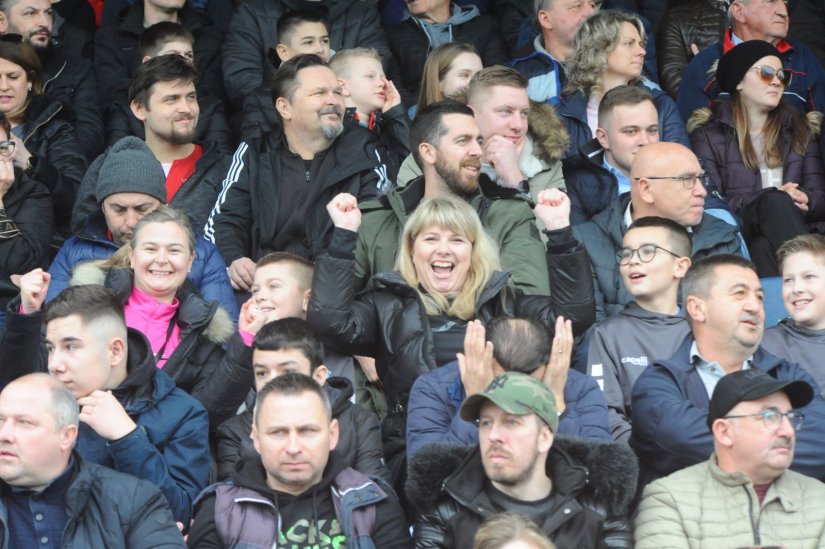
621,347
798,344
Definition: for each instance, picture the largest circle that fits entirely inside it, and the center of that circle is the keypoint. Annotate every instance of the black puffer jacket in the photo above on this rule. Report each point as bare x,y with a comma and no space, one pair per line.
72,81
701,22
597,480
219,379
359,442
59,163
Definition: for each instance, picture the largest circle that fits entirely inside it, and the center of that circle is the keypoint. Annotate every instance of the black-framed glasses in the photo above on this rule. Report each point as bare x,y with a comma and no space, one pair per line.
772,418
688,181
6,148
646,253
767,73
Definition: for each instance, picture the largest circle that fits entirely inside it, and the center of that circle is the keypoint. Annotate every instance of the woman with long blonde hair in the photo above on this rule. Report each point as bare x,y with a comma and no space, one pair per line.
447,73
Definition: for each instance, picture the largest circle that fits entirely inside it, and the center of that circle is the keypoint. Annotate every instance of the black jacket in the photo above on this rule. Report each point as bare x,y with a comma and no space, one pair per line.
110,509
244,220
219,379
59,163
700,22
359,442
596,479
390,134
71,80
117,54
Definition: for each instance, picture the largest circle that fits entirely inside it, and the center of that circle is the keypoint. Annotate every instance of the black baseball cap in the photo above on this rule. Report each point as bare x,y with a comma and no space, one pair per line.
753,384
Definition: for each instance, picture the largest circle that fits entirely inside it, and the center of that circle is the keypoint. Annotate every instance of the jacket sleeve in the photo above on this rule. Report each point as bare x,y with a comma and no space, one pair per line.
673,59
369,457
243,55
669,432
431,531
813,181
228,224
224,380
32,214
207,52
89,125
212,280
692,94
180,468
714,165
86,202
671,124
21,347
117,123
390,529
111,70
521,250
571,285
60,271
494,52
585,414
228,449
217,130
429,419
602,365
150,521
204,534
658,522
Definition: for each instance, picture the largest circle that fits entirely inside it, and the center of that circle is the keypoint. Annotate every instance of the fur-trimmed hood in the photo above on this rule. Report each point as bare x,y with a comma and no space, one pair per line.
194,313
549,136
602,473
722,110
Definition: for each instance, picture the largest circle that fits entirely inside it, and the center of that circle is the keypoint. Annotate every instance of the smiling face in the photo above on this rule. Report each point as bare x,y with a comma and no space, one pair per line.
278,292
365,87
760,95
502,110
316,107
294,437
458,75
161,259
441,259
32,19
803,289
626,60
625,130
14,88
171,114
456,157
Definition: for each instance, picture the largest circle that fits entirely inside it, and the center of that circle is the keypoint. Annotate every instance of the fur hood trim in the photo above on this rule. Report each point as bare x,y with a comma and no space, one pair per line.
549,135
703,116
218,330
612,471
699,118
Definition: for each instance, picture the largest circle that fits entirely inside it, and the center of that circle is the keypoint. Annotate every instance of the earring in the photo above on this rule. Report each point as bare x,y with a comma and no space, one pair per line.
30,87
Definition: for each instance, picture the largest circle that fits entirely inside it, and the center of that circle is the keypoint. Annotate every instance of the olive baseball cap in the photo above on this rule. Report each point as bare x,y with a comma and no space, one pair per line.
517,394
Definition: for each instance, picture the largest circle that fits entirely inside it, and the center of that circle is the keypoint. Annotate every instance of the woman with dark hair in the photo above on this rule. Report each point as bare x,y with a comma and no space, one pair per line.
46,147
762,154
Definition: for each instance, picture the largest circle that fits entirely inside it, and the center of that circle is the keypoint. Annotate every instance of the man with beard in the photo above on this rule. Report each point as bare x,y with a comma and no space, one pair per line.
578,492
446,143
753,418
275,193
671,400
70,80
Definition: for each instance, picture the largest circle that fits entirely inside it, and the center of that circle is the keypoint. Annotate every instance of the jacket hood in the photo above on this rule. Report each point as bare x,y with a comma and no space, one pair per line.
604,473
634,310
458,15
250,473
723,110
339,391
790,326
145,385
550,138
194,313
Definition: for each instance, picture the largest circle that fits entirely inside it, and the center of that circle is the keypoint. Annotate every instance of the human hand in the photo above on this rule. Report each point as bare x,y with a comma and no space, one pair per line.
475,364
102,412
391,95
558,368
553,209
800,198
367,364
502,154
6,177
251,318
33,287
343,209
242,273
694,49
21,154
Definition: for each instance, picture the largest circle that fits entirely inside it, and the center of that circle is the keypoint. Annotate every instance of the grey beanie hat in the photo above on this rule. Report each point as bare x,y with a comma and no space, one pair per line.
130,167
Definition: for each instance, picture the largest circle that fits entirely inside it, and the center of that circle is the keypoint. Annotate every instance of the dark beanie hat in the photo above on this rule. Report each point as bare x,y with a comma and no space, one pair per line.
734,65
130,167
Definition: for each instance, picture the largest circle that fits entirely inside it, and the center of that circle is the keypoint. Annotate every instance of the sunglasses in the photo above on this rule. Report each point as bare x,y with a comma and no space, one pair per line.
766,74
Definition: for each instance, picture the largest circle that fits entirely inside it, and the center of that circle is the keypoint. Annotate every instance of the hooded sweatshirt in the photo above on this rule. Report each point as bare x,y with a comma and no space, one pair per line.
442,33
798,344
621,347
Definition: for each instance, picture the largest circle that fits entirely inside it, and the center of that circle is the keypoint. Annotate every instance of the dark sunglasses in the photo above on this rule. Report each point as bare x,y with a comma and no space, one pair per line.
766,74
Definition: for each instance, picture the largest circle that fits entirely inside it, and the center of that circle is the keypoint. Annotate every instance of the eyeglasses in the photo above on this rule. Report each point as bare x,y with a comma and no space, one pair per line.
646,253
772,418
688,181
6,148
766,74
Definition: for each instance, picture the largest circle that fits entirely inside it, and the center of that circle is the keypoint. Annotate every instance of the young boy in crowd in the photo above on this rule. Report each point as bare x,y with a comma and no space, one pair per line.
801,337
654,258
289,345
373,103
301,31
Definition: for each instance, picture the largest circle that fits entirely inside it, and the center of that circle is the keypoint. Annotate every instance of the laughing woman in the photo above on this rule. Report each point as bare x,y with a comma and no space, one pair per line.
762,154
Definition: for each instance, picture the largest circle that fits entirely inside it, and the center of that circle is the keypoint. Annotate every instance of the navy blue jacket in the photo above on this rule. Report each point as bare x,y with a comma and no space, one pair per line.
572,109
208,272
670,410
806,92
436,397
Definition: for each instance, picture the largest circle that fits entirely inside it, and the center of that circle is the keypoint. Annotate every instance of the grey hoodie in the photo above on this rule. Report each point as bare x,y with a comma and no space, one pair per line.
442,33
798,344
621,347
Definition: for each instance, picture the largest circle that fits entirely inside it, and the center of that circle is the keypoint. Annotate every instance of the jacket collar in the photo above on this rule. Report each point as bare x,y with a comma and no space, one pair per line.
782,489
727,44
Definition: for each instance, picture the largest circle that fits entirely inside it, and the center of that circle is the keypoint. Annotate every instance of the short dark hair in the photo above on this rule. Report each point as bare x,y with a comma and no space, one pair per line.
285,80
291,19
90,302
428,125
678,235
700,275
623,95
23,54
153,38
163,68
290,333
291,384
301,266
520,344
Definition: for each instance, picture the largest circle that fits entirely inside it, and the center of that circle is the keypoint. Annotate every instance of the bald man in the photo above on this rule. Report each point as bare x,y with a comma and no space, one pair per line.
666,180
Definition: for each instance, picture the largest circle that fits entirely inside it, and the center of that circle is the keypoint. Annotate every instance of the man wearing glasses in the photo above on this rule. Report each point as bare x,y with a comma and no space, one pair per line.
671,400
666,180
744,494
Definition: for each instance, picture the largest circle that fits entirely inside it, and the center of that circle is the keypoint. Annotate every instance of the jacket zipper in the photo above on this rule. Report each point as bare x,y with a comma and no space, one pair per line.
53,78
754,523
49,119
